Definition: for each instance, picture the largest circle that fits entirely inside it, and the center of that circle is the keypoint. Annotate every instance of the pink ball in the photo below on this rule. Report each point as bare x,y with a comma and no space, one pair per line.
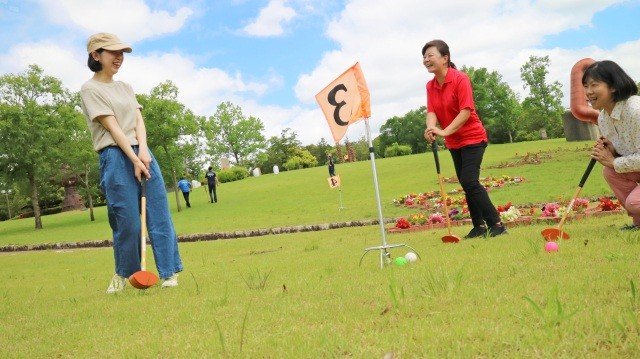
551,247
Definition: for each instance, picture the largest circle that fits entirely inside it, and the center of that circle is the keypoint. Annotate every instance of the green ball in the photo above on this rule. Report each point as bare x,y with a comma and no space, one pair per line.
400,261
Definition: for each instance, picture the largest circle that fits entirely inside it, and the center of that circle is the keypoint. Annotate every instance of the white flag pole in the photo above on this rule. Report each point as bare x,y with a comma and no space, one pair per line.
385,257
375,182
340,190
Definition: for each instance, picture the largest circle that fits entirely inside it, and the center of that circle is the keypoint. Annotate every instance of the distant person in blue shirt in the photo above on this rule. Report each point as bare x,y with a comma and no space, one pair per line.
185,187
212,183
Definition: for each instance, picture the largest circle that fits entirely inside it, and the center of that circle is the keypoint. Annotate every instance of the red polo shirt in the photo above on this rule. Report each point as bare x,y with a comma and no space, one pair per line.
448,100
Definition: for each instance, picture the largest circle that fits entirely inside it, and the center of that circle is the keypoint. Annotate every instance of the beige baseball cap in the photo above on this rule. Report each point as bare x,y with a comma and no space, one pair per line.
104,40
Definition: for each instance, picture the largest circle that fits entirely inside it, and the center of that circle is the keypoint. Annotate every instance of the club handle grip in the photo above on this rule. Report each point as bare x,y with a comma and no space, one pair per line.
587,172
434,148
143,187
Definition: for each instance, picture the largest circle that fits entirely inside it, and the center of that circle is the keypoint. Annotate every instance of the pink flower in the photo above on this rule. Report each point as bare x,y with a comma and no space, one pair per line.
436,218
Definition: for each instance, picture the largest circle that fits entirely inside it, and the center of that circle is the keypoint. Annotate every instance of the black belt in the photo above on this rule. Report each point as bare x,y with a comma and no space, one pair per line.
135,147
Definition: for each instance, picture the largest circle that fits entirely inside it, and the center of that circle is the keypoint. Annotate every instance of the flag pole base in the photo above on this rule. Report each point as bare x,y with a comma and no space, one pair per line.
341,207
385,256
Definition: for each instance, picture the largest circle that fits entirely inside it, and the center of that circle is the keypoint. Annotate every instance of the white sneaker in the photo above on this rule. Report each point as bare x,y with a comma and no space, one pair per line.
117,284
171,281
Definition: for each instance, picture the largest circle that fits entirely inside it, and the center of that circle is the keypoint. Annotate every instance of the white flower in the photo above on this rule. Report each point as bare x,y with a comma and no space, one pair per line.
510,215
562,210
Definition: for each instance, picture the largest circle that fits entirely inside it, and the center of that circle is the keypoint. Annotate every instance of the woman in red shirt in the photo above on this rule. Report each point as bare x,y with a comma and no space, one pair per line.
450,105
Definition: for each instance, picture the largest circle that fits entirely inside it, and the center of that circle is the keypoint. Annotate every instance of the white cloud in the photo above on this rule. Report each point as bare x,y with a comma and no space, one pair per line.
497,34
270,19
132,20
201,89
58,61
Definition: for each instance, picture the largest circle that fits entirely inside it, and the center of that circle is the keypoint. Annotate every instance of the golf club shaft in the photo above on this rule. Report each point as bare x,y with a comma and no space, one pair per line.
443,194
143,224
586,174
444,204
566,212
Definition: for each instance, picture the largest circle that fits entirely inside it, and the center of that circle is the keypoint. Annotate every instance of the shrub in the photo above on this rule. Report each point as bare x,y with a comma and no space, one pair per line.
301,159
293,163
397,150
233,174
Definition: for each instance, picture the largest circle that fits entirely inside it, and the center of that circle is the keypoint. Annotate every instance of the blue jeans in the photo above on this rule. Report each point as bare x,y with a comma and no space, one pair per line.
122,192
467,161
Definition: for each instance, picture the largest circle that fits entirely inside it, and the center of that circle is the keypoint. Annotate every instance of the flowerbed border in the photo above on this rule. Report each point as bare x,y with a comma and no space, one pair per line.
197,237
521,221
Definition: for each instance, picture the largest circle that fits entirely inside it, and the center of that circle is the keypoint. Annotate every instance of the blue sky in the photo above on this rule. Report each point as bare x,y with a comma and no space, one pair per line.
272,56
602,31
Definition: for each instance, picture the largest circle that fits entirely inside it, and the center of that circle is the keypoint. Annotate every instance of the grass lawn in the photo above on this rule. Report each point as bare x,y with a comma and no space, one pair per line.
304,294
304,197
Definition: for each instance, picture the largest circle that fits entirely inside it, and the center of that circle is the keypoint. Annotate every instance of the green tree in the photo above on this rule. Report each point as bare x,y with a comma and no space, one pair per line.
543,106
397,150
232,134
280,149
82,160
406,130
300,159
35,113
171,128
496,104
320,151
11,200
361,148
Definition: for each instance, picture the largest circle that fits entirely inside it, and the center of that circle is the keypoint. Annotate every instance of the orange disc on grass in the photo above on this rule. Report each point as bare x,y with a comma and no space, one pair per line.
450,239
552,234
143,279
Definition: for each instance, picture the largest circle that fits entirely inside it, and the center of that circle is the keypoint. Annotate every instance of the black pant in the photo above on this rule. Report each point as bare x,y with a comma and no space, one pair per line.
212,190
186,198
467,161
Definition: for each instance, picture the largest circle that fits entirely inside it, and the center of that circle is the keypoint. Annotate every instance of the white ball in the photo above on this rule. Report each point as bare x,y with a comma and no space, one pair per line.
411,257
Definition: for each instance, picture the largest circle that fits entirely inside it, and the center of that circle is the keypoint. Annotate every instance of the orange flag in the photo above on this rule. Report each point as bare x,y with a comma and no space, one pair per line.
345,101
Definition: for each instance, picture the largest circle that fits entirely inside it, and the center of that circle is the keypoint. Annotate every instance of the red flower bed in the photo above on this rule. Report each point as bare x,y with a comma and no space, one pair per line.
403,224
607,204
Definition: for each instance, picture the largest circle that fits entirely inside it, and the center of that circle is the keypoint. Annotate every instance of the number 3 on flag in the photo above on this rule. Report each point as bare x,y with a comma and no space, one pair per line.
345,101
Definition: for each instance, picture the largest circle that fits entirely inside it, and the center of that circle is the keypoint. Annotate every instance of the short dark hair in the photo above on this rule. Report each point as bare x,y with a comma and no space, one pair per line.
94,65
442,48
614,76
210,168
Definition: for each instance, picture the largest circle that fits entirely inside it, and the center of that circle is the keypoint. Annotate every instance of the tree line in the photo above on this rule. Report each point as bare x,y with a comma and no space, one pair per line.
506,118
45,143
44,137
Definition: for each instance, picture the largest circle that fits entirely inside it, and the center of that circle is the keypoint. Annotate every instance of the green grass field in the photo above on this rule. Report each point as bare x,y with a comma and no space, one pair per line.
304,197
304,295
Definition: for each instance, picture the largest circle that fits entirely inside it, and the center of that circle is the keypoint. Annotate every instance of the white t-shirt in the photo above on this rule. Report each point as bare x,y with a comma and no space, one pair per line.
102,99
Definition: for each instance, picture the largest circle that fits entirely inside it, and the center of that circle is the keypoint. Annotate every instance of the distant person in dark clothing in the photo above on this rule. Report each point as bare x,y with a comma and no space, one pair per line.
332,167
212,182
185,187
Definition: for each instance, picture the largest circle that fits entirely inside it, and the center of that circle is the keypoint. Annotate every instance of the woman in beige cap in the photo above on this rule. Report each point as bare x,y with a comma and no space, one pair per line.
119,136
